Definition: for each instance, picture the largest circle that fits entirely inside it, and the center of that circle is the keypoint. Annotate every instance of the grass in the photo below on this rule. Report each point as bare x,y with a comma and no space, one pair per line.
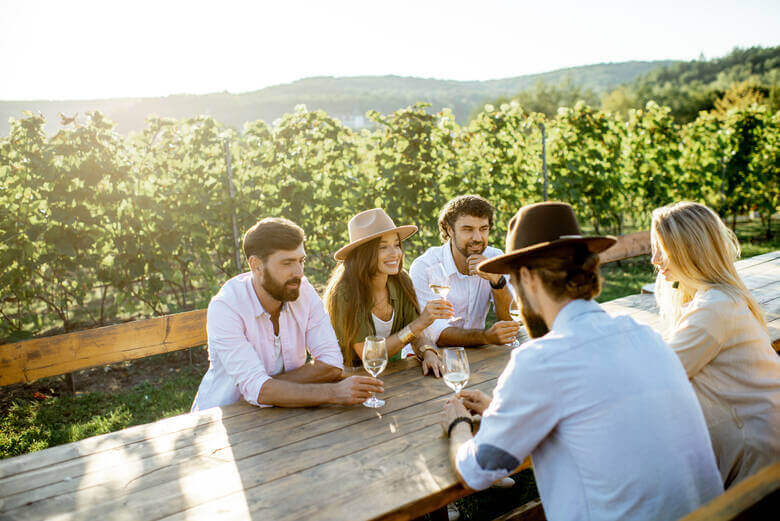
44,419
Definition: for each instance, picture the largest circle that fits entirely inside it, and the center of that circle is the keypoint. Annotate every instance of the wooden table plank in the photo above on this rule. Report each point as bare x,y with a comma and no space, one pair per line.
252,454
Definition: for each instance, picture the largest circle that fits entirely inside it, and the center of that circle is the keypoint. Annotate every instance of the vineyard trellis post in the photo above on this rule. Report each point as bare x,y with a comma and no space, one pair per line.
232,204
544,161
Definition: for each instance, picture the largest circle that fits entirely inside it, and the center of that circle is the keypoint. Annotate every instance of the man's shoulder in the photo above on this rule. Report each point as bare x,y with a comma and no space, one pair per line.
233,290
429,257
491,252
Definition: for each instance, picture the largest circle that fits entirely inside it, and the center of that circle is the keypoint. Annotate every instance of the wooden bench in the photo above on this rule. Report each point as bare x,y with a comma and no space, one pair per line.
757,497
30,360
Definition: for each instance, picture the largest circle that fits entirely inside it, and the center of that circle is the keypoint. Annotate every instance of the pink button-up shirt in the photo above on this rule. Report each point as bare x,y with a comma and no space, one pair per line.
241,341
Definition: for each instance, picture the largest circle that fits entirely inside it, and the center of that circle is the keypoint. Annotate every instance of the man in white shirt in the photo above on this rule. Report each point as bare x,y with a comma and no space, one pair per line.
601,403
260,326
464,226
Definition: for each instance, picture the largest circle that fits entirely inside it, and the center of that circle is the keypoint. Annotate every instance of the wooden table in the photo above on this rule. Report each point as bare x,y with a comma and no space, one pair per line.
241,462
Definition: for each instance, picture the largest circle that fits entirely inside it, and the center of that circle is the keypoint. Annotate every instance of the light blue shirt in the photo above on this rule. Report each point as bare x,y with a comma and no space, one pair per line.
606,411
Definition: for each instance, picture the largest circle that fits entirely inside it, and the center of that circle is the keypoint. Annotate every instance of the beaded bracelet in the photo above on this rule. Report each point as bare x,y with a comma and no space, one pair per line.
460,419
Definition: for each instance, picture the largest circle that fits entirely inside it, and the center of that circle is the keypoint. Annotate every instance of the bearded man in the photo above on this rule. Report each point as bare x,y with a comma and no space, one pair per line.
262,323
464,226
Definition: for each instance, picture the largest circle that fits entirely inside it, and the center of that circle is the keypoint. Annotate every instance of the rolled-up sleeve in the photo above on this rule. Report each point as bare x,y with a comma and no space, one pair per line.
521,414
425,295
227,341
320,337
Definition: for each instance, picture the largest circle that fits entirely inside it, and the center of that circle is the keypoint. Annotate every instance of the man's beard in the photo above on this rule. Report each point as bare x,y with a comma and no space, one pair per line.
465,250
280,291
534,323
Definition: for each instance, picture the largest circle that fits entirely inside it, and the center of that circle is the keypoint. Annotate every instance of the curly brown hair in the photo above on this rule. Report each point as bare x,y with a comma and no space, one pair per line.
473,205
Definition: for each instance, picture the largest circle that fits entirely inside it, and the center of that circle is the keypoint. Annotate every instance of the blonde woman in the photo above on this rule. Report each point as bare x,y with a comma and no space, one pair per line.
370,293
718,331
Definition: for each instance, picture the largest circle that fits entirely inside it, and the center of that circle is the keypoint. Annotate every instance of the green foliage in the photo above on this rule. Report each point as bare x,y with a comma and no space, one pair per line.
584,158
688,88
98,228
650,155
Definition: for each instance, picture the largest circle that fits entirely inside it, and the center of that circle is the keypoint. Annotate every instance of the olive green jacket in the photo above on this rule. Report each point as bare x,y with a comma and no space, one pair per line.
404,312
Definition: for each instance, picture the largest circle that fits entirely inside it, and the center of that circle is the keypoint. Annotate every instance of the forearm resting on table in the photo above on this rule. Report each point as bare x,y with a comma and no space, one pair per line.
312,373
456,336
502,299
283,393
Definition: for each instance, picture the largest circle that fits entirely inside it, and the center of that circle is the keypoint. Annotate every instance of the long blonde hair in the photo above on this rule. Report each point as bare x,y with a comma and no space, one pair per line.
702,251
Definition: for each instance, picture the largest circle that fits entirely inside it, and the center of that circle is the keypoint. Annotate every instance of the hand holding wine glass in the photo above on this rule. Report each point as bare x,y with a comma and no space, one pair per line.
374,361
439,282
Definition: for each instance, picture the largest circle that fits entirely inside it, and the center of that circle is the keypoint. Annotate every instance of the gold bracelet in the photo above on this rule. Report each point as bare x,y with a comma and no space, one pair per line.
406,335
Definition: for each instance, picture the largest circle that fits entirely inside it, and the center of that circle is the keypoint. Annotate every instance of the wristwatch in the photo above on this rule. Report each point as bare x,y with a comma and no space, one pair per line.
500,284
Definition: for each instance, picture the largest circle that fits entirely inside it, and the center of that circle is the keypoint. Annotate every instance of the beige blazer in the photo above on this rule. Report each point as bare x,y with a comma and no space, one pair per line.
736,375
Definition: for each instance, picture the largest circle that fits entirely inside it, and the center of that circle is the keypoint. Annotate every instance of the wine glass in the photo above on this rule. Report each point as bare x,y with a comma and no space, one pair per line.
517,316
374,361
439,282
456,368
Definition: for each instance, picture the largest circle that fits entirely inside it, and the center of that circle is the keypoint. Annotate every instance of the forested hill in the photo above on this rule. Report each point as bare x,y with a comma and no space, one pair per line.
345,98
690,87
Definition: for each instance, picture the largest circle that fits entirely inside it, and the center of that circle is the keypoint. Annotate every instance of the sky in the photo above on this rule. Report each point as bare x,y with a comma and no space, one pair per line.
83,49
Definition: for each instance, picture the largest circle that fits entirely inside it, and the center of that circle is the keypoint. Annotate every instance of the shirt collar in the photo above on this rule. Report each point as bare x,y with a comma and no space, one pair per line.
448,260
574,309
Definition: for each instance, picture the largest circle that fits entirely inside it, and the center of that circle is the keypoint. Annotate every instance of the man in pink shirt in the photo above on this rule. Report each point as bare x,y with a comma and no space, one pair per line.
262,323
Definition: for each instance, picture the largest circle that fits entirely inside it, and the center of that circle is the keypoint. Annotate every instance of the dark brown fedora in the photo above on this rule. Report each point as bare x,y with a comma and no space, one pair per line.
539,227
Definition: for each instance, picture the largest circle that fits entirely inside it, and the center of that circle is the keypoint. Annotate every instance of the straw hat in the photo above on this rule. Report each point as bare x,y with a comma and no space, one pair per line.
538,227
369,225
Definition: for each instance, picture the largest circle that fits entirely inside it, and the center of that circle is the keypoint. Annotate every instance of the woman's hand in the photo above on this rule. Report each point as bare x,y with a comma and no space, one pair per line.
475,401
434,310
431,363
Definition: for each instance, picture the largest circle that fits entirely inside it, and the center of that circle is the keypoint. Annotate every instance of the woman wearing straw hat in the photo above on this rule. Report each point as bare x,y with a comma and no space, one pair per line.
370,293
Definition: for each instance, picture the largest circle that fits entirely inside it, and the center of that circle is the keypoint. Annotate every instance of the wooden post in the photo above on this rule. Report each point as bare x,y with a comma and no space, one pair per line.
232,205
544,161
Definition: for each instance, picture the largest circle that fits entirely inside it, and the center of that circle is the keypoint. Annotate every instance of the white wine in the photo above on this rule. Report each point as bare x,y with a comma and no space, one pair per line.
375,366
442,291
456,381
516,315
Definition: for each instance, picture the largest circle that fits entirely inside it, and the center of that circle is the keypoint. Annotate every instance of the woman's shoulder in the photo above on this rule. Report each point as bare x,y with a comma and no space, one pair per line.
714,298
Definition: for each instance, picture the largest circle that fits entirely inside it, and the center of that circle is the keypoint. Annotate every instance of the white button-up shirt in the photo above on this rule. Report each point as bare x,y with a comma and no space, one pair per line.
242,353
470,295
606,411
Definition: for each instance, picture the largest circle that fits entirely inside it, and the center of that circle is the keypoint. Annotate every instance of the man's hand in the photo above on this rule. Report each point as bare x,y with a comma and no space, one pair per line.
356,389
431,363
452,409
474,260
474,400
502,332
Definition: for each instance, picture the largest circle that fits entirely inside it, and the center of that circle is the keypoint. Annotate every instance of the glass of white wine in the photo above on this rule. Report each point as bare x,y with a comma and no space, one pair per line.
456,368
439,282
374,361
517,316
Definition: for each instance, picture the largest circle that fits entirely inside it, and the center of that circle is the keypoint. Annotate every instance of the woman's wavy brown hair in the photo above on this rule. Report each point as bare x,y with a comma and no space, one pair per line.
348,295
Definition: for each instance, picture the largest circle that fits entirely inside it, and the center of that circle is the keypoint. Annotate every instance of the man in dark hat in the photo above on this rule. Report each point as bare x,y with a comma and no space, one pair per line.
601,403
